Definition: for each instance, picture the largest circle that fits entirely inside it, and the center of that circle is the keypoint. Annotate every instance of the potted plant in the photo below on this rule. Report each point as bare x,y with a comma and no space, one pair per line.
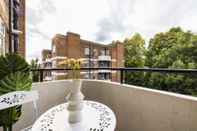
75,97
14,76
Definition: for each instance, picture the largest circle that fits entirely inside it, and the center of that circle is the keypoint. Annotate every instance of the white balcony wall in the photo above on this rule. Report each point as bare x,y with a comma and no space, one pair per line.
136,108
142,109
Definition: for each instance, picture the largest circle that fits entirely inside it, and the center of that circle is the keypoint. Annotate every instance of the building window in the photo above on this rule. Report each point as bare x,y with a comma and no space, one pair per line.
107,52
104,64
15,23
104,76
2,37
53,49
95,53
54,64
102,52
86,51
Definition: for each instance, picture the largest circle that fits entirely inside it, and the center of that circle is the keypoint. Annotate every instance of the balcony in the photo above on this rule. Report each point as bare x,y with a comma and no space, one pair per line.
136,108
104,71
104,58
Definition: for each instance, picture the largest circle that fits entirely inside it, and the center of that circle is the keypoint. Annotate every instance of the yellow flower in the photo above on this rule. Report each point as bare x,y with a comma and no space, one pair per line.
64,62
74,65
72,59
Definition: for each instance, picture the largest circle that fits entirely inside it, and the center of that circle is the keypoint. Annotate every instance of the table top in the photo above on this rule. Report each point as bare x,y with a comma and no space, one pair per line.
96,117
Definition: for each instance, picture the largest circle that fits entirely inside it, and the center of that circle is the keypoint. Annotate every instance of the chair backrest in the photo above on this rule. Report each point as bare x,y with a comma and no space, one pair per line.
17,98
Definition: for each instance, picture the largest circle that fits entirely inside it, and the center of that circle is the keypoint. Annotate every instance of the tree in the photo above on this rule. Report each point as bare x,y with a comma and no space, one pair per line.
134,57
35,74
173,49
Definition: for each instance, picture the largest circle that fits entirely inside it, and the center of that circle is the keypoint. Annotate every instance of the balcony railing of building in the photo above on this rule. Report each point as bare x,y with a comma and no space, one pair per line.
121,71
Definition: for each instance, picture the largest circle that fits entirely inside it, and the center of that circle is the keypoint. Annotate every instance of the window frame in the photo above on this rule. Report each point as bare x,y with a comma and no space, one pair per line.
87,51
2,37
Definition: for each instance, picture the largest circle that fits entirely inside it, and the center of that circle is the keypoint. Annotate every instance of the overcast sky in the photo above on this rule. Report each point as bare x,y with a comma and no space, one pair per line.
104,20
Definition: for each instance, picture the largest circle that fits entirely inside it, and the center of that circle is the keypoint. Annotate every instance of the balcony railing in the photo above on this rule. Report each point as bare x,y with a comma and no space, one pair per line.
104,58
121,70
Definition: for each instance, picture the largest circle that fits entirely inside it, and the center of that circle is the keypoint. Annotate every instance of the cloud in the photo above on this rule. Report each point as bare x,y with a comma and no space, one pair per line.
107,26
39,9
35,31
33,16
104,20
36,16
47,6
115,22
35,54
146,17
37,39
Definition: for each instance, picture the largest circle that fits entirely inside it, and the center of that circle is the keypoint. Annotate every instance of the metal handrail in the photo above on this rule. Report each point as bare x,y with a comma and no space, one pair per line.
123,70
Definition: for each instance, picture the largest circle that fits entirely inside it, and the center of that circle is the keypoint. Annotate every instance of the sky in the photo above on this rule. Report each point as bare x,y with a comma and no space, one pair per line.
104,20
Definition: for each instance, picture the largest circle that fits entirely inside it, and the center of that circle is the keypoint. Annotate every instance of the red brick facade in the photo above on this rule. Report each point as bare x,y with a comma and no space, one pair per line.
19,11
94,55
22,26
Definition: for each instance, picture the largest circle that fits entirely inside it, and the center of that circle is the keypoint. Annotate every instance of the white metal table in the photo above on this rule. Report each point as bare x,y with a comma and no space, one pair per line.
96,117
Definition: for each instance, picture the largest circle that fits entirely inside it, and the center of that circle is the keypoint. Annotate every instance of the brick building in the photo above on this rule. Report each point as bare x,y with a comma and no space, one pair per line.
94,55
17,10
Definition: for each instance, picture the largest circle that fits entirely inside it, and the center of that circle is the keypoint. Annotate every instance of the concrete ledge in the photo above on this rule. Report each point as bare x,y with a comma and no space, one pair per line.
136,108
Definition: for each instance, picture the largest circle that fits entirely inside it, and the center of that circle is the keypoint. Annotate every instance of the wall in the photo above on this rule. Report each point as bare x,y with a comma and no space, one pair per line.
142,109
72,46
51,94
22,27
4,14
117,59
4,17
59,42
73,43
4,11
136,108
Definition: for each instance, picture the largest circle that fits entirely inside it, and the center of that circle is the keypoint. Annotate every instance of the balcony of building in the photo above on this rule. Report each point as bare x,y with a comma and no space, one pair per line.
104,58
136,108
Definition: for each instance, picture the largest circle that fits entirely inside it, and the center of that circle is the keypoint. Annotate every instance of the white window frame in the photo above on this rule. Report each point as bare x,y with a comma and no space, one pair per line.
107,52
2,37
53,49
102,52
95,52
87,51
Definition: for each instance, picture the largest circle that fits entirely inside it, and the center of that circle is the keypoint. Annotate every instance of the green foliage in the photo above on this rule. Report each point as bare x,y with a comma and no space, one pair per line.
17,81
14,76
134,57
174,49
35,65
11,63
10,116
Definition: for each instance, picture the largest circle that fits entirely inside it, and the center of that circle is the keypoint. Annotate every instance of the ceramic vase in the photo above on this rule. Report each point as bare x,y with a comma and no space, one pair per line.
75,102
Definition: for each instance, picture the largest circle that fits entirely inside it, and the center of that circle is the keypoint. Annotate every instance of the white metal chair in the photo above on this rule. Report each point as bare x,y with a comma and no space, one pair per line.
18,98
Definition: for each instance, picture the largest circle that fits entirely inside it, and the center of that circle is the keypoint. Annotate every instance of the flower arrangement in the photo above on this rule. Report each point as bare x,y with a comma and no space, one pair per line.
74,65
75,97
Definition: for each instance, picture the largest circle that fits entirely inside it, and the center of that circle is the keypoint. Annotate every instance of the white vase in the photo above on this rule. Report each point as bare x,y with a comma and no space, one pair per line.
75,102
